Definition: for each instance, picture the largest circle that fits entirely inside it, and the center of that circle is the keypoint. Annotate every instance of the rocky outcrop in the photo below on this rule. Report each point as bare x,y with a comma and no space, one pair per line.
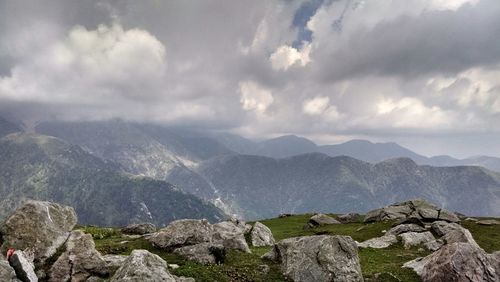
40,227
7,273
231,235
418,208
79,261
23,267
261,235
453,233
318,258
183,232
139,229
403,228
379,242
204,253
413,239
349,218
488,222
142,265
457,262
321,220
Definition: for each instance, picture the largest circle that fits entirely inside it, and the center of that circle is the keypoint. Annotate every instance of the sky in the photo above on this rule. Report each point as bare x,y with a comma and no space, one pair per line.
422,73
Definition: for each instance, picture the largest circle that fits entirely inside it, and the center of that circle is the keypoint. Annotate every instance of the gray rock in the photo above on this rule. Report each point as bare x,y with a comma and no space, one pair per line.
321,220
113,262
403,228
453,233
183,232
349,218
263,268
204,253
412,239
23,267
79,261
139,229
319,258
7,273
142,265
379,242
41,227
457,262
417,208
261,235
231,235
488,222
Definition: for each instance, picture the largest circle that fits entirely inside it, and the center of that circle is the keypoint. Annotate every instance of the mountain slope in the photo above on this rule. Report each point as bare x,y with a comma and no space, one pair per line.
47,168
257,187
7,127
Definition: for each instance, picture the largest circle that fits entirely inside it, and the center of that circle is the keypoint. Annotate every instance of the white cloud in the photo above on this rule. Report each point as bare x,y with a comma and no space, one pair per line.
286,56
316,105
254,97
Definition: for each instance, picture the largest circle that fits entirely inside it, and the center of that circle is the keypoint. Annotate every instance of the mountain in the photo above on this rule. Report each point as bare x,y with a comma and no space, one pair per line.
7,127
47,168
262,187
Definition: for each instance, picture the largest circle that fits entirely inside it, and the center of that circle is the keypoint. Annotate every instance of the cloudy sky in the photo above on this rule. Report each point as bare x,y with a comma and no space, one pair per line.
423,73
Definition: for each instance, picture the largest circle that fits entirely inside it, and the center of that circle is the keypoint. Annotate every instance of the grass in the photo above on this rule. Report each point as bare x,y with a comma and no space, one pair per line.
240,266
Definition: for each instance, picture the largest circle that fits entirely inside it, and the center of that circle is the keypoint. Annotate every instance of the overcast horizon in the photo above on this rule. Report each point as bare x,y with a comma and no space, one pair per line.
422,73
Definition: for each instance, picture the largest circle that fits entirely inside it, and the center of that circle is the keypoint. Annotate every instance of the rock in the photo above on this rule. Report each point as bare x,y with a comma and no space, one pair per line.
452,233
261,235
7,273
321,220
283,215
379,242
488,222
417,208
457,262
384,277
79,261
409,220
349,218
412,239
403,228
142,265
23,267
113,262
472,219
231,235
183,232
434,245
139,229
41,227
173,266
204,253
319,258
263,268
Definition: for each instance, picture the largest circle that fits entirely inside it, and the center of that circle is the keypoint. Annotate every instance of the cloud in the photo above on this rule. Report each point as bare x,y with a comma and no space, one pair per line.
286,56
254,97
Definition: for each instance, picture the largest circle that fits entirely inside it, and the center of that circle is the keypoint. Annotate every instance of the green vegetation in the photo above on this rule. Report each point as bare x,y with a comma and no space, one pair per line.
244,267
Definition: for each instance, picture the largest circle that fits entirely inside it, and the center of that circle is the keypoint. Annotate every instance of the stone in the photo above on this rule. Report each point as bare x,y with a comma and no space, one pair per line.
379,242
263,268
321,220
349,218
142,265
204,253
417,208
79,261
261,235
41,227
488,222
403,228
384,277
113,262
434,245
231,235
23,267
318,258
457,262
7,273
412,239
452,233
139,229
183,232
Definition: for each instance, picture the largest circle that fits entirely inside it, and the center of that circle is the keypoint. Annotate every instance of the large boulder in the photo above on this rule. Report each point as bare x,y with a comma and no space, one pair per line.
183,232
404,228
417,208
79,261
231,235
453,233
41,227
7,273
261,235
457,262
204,253
23,267
349,218
413,239
379,242
139,229
142,265
321,220
318,258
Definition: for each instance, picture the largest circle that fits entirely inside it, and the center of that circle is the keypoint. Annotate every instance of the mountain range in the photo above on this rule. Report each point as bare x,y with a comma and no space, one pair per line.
288,174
